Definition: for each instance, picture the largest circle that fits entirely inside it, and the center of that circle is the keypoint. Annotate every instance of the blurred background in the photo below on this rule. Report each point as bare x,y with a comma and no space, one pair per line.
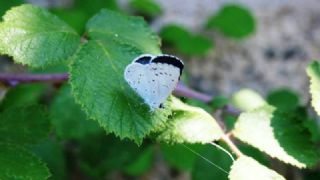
264,45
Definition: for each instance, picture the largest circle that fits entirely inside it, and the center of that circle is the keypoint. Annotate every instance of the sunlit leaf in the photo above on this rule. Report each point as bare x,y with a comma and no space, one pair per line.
97,75
313,72
280,135
247,99
189,124
246,168
33,36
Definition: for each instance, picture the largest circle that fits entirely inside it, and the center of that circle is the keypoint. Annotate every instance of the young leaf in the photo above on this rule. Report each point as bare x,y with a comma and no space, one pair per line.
97,75
24,125
35,37
124,29
241,168
189,124
247,99
18,163
234,21
185,41
71,122
179,156
313,72
278,135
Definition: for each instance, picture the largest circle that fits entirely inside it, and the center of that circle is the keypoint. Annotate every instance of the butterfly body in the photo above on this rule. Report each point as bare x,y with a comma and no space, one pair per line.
154,77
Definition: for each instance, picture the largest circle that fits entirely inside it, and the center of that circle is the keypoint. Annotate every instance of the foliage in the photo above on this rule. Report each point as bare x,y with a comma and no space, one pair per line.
241,167
179,156
70,122
313,72
284,138
186,42
189,125
146,7
233,20
26,29
101,126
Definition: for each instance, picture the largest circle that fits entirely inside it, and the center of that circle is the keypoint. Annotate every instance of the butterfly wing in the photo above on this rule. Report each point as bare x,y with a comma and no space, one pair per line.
135,75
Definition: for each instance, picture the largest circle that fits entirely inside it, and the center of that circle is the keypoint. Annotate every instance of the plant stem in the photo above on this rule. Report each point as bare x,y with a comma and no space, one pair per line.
13,79
181,90
231,145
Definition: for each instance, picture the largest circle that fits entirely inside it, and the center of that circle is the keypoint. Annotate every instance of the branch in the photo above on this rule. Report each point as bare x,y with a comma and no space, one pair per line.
14,79
181,90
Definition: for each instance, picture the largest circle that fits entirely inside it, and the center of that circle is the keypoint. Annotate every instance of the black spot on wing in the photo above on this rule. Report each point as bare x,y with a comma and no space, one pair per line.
167,59
144,60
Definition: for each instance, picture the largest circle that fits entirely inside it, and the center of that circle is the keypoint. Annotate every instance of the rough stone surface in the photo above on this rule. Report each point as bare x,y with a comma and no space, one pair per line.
286,40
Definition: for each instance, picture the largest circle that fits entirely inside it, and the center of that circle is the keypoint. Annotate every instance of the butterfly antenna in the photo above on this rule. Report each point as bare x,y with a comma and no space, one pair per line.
224,150
207,160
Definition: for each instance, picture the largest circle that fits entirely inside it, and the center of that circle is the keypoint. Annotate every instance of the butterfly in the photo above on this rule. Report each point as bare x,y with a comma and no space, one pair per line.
154,77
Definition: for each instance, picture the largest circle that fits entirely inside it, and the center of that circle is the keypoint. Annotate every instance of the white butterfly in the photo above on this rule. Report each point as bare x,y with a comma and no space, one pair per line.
154,77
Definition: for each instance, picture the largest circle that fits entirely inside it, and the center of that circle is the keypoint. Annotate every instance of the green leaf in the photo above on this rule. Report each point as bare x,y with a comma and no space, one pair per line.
255,154
279,135
6,5
214,164
24,125
241,168
97,75
91,7
52,154
313,72
76,18
294,137
17,163
142,164
125,30
179,156
284,99
23,95
34,37
219,102
98,84
234,21
247,99
146,7
189,124
185,41
70,122
100,154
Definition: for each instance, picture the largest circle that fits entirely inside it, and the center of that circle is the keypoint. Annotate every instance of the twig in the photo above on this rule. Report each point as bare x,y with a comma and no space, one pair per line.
181,90
13,79
232,146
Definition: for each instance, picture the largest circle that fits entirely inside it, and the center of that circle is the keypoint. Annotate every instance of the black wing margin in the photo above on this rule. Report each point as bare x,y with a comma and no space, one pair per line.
169,59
